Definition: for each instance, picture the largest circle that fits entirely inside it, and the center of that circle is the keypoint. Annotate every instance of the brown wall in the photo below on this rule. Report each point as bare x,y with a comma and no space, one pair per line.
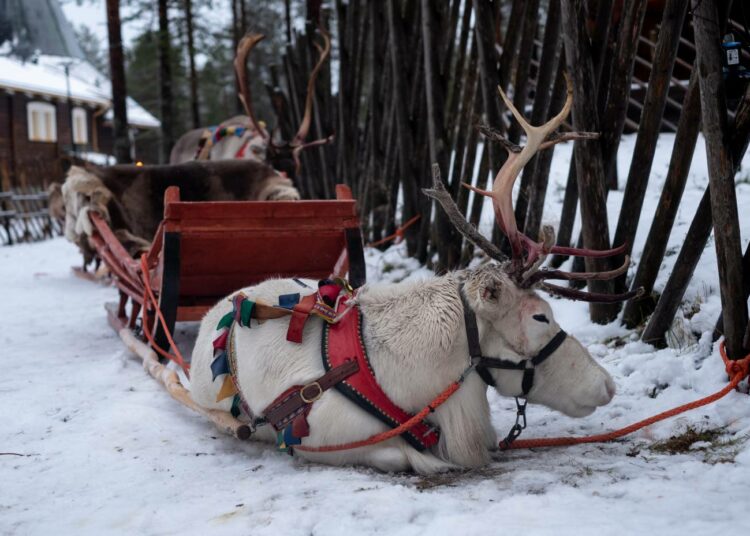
31,163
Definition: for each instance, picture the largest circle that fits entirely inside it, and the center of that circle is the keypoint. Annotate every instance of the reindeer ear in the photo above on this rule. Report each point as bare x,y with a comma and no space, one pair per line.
486,286
491,292
492,286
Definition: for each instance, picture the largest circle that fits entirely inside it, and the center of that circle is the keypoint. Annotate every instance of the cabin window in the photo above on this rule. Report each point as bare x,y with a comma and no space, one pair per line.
42,121
80,130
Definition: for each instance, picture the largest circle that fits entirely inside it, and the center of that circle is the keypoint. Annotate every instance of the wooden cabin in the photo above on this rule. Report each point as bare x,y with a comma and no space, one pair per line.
49,118
55,107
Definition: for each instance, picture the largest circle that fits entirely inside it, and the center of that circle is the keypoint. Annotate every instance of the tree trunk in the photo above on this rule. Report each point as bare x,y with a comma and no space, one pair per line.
235,43
194,107
165,83
119,89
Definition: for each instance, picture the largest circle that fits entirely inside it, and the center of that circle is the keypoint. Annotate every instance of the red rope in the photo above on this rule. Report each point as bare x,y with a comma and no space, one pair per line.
737,370
149,298
384,436
398,235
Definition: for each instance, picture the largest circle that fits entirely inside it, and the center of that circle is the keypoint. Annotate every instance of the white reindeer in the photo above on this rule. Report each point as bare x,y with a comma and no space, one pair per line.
243,136
417,344
417,336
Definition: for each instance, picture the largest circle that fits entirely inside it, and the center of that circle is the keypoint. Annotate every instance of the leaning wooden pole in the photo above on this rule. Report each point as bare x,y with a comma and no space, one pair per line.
721,173
649,127
637,309
548,83
602,52
620,80
695,242
448,257
588,157
403,131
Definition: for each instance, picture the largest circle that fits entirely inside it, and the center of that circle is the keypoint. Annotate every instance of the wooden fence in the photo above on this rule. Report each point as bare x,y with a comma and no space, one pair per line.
24,217
416,76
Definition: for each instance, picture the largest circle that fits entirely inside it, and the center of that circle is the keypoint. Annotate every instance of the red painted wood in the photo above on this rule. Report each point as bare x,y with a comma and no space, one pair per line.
220,210
225,246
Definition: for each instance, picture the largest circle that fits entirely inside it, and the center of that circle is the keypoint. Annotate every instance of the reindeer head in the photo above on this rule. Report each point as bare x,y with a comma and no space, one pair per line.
281,155
515,324
513,321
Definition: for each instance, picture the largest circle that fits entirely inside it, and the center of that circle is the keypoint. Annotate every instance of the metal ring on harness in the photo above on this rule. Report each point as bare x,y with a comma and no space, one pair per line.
311,399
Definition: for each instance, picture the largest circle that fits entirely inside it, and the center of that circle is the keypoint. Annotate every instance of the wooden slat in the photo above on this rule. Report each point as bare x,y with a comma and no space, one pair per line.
227,210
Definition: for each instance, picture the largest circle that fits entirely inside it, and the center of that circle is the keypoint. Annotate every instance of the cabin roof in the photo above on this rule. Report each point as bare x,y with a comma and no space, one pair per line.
46,76
27,26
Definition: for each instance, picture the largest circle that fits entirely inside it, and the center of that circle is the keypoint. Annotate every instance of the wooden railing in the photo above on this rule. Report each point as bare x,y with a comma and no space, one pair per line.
24,217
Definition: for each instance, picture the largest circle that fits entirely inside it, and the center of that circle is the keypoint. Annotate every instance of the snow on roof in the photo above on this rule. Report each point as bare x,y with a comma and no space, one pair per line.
47,80
47,76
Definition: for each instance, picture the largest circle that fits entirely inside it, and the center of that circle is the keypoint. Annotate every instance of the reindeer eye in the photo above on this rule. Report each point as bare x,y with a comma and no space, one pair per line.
541,318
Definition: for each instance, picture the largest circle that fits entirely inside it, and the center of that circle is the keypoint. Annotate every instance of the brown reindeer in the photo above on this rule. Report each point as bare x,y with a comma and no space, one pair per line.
131,198
243,136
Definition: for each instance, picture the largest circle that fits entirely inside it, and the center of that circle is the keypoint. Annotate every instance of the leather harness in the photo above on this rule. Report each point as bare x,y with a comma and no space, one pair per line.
528,366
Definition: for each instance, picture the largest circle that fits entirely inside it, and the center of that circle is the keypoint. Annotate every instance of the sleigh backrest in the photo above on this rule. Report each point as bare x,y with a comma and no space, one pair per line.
210,249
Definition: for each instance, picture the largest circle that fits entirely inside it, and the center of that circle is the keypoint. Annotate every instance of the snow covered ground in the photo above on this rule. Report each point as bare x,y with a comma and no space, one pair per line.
89,444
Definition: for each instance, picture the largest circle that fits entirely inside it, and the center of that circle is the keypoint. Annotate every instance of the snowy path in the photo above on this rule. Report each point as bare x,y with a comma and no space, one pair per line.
106,451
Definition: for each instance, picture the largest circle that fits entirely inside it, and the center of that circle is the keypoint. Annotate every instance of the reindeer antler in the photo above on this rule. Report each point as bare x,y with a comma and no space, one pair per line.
304,126
538,138
526,271
244,47
298,142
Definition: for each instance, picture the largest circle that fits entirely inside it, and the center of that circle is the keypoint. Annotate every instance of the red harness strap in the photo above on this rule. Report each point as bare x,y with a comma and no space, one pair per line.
300,314
343,341
241,151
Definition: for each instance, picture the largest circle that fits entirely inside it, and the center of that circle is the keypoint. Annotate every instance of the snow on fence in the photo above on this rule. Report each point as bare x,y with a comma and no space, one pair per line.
24,217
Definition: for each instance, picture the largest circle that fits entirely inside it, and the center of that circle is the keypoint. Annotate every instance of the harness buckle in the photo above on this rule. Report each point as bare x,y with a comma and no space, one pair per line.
312,398
521,413
517,428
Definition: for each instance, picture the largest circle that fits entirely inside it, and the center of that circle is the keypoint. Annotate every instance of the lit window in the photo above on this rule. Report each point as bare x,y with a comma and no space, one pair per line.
80,131
42,121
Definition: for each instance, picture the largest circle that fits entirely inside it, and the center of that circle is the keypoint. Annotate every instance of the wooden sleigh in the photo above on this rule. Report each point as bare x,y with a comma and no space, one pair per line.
203,251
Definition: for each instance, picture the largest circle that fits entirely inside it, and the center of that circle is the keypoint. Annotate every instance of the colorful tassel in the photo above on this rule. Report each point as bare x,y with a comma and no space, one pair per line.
220,365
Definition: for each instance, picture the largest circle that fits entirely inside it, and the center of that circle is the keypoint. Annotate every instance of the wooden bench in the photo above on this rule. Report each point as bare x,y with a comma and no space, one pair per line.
204,251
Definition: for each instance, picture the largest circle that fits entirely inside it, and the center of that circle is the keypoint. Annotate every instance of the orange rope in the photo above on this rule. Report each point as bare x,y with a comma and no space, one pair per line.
383,436
737,369
148,297
398,235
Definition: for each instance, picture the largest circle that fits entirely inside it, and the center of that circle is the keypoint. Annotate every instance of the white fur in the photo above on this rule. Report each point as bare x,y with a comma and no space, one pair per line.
83,192
416,341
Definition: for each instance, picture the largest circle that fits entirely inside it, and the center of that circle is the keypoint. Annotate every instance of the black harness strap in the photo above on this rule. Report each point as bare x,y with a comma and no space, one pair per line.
483,363
527,366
